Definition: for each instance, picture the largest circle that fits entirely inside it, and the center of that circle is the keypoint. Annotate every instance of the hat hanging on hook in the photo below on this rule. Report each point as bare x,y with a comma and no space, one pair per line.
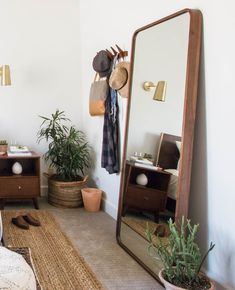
102,63
120,53
120,78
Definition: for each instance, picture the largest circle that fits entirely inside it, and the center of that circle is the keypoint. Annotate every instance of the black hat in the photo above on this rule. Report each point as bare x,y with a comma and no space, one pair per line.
102,63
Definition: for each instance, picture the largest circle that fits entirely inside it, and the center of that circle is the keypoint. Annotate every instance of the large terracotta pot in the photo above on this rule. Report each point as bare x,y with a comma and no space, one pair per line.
170,286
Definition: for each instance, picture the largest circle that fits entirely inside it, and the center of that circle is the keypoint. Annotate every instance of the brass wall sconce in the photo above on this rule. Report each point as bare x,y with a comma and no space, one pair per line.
5,75
160,92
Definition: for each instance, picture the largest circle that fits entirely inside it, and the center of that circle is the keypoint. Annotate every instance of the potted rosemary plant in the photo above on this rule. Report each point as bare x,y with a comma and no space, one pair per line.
181,258
3,147
69,154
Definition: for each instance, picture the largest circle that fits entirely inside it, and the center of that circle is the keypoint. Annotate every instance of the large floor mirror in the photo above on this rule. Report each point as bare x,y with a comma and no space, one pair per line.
158,145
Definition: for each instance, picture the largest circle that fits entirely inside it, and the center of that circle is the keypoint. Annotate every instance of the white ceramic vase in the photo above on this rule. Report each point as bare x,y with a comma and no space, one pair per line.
142,179
17,168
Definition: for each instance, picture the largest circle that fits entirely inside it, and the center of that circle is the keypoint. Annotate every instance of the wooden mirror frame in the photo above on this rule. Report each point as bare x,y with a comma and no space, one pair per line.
189,114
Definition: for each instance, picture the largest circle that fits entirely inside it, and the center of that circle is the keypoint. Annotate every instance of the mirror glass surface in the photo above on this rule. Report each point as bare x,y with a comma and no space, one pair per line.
151,166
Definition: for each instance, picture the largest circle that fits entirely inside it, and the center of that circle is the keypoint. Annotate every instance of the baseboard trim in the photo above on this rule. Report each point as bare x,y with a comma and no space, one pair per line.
109,208
44,190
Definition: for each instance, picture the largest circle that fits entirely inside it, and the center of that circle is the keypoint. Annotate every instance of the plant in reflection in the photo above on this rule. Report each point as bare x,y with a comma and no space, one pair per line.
181,257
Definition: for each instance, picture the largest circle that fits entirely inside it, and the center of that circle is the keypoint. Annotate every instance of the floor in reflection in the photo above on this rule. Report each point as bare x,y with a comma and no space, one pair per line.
139,247
140,221
134,228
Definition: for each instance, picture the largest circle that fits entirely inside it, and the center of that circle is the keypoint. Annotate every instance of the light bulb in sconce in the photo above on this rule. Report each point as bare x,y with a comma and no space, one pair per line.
5,75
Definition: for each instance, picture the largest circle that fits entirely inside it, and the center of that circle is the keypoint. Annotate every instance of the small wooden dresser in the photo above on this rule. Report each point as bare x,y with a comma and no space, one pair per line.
152,197
23,186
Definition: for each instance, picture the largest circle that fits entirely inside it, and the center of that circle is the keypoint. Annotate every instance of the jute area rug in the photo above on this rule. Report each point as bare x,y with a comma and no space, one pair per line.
140,226
57,263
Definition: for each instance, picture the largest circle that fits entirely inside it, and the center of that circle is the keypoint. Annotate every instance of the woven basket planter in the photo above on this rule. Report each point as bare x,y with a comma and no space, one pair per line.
65,194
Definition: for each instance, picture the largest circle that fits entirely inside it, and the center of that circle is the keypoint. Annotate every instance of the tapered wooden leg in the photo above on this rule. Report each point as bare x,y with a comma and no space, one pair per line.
35,202
124,210
2,203
156,217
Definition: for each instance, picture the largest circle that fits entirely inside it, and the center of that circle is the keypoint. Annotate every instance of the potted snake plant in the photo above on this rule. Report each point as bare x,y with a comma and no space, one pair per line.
69,155
181,258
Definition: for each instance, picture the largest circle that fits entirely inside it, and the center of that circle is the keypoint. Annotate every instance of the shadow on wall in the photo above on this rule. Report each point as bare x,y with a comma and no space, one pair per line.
152,144
227,263
198,203
91,180
220,287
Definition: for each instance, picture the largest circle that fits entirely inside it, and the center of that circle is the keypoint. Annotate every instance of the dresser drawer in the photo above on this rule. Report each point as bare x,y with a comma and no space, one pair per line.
144,198
15,187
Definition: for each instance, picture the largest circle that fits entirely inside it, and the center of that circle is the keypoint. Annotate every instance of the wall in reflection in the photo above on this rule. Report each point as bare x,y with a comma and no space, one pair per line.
160,54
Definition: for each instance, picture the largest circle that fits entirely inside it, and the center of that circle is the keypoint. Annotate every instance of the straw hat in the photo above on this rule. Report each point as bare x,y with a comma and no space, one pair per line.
120,78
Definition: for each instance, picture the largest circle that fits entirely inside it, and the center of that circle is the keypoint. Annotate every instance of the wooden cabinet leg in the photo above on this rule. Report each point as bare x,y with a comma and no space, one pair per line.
124,210
156,217
2,203
35,202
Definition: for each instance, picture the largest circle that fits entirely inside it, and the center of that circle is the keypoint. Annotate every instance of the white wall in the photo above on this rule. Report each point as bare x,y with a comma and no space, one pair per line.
50,46
104,23
40,42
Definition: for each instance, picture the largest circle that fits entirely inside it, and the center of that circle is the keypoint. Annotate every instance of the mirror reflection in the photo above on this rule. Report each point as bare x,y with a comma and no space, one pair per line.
154,134
149,196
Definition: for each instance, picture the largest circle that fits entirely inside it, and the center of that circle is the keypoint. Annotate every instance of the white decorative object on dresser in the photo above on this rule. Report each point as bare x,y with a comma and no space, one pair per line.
17,168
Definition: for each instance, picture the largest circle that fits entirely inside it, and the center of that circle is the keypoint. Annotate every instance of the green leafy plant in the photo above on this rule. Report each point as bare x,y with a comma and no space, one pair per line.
68,152
3,142
181,256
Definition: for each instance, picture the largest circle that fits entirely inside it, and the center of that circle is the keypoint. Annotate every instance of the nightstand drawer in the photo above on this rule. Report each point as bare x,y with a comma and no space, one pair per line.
144,198
14,187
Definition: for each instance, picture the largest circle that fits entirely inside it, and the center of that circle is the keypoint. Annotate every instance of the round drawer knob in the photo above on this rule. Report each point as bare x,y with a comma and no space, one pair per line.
19,187
146,198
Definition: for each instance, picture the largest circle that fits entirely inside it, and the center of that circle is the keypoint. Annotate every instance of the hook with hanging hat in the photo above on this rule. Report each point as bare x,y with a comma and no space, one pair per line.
122,53
114,51
110,55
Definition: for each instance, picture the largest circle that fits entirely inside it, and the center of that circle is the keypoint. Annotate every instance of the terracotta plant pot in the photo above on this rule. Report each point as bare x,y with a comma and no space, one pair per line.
170,286
91,199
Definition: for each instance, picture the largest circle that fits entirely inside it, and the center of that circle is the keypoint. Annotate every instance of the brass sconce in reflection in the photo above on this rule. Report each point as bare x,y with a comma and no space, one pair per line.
160,92
5,75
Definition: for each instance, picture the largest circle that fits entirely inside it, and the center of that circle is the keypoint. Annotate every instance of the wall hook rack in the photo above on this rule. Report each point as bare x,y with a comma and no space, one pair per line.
121,53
